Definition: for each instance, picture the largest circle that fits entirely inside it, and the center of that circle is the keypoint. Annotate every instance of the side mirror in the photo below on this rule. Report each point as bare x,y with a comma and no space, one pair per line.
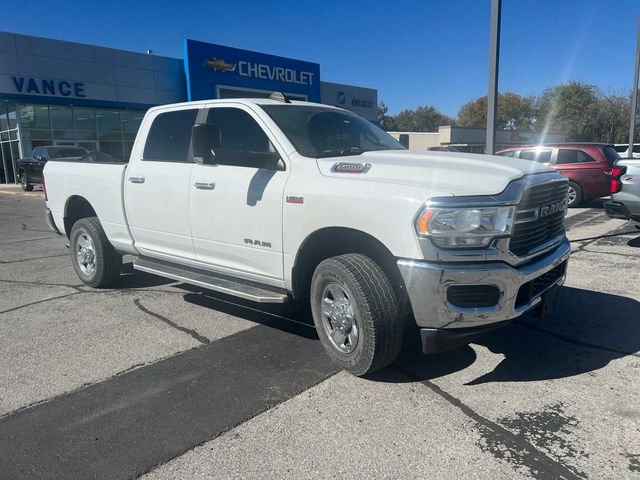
205,138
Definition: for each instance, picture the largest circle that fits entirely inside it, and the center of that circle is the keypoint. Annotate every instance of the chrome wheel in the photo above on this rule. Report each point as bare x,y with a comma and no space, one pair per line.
572,195
86,254
23,181
339,318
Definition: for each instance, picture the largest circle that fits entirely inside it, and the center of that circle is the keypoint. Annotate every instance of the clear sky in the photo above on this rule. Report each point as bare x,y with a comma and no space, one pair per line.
414,52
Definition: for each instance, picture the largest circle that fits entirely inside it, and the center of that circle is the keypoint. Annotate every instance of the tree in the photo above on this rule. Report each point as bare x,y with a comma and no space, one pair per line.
614,111
515,112
386,122
422,119
571,108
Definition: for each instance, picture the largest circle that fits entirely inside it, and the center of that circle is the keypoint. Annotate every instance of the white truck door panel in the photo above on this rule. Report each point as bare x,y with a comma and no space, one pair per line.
157,187
236,210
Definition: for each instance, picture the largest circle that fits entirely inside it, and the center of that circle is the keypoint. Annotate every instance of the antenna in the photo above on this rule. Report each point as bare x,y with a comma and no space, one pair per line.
280,97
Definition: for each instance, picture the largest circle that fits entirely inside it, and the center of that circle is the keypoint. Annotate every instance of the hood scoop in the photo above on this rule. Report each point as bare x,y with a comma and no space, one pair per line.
350,167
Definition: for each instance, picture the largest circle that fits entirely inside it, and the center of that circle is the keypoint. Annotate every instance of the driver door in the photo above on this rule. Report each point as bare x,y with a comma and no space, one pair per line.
236,206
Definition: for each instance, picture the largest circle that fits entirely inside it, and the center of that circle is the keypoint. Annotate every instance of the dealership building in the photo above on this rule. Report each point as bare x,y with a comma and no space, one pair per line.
54,92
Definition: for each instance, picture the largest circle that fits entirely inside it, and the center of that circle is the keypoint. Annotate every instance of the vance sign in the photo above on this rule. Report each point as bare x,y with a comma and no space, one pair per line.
209,66
43,86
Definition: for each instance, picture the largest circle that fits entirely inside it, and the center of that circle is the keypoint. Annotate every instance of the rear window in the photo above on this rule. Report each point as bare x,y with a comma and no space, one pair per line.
621,148
571,155
540,156
170,136
611,155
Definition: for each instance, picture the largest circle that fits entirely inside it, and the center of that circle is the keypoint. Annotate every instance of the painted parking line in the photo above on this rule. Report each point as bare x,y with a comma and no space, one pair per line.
127,425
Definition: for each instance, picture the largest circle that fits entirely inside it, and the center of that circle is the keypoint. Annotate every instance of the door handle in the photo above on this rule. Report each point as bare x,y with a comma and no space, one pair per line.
205,185
136,179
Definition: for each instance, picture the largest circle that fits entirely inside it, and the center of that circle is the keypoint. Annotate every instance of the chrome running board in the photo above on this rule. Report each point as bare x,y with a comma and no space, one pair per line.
223,284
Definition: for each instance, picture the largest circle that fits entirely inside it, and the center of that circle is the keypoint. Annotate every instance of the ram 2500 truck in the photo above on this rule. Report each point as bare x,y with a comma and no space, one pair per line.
272,200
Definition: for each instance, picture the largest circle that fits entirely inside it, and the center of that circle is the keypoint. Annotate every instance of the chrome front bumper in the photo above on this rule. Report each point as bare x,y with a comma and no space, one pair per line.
427,285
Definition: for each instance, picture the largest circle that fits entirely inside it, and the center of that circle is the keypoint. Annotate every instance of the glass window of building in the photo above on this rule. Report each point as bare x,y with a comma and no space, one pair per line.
109,128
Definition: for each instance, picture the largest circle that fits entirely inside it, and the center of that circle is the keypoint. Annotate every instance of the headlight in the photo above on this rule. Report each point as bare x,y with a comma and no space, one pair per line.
465,227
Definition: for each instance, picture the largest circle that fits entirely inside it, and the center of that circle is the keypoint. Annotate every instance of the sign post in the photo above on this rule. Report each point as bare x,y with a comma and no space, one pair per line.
634,93
494,57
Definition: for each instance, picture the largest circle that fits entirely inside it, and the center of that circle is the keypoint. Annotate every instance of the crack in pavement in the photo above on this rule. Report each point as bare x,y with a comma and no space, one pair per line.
575,341
26,240
7,262
200,338
533,458
42,301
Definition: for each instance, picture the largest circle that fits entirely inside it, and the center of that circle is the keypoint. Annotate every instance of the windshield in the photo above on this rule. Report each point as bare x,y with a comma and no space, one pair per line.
326,132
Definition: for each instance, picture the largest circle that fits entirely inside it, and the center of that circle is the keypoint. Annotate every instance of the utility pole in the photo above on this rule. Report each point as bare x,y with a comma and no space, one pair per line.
494,57
634,93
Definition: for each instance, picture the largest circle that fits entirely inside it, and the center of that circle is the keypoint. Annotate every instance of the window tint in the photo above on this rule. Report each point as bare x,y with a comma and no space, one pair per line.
611,154
540,156
509,153
239,131
621,148
570,155
170,136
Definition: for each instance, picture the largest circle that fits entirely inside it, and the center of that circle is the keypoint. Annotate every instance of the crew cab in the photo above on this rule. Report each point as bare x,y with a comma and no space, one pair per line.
273,200
30,169
586,165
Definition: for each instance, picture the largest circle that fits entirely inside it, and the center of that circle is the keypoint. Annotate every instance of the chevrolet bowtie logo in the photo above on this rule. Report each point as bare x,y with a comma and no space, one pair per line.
219,65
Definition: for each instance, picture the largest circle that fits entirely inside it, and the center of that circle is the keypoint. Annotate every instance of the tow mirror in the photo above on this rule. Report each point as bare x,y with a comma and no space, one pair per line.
205,138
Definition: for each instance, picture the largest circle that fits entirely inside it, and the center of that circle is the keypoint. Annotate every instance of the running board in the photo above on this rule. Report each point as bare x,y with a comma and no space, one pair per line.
219,283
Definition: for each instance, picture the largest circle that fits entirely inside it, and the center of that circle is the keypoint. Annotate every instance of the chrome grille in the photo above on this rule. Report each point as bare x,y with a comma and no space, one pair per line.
533,230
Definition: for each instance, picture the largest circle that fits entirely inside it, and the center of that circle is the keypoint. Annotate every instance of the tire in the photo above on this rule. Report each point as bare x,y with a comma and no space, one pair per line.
368,298
25,183
98,265
577,199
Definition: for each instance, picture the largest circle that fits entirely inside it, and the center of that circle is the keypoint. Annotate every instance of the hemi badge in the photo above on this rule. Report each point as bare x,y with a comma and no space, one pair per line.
294,199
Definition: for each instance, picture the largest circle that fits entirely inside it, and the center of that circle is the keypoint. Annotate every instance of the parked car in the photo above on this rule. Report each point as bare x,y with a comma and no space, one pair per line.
625,190
623,150
586,165
30,169
271,200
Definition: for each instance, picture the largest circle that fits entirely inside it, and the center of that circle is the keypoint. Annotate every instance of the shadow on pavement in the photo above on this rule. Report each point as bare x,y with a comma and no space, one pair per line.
586,331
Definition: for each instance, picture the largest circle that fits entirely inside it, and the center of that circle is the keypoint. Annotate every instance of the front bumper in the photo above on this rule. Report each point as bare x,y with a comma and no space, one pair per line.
427,285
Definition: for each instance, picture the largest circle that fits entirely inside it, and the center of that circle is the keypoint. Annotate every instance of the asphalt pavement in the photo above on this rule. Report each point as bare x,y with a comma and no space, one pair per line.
161,380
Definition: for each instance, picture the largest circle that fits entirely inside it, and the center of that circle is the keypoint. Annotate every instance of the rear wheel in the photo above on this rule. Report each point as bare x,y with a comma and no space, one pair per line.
355,311
575,195
25,182
94,259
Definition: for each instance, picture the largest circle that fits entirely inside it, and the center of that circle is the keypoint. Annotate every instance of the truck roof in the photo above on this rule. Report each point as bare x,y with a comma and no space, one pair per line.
243,101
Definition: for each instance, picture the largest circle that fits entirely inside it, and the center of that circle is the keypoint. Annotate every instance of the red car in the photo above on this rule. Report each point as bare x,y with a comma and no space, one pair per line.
586,165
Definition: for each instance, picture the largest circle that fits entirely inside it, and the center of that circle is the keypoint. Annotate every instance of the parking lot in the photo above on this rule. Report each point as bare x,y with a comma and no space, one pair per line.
164,381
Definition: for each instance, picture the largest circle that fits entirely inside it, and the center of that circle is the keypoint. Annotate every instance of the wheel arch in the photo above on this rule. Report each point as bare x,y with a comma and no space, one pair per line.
76,208
332,241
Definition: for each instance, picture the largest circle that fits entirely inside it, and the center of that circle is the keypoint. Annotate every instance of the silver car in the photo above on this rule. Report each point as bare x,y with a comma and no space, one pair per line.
625,190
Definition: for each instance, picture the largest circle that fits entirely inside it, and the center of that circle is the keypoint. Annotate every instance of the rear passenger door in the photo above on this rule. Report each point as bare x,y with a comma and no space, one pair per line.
583,169
157,186
236,205
540,155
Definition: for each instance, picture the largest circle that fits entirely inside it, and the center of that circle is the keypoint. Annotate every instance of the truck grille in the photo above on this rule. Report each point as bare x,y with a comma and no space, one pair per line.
535,287
540,217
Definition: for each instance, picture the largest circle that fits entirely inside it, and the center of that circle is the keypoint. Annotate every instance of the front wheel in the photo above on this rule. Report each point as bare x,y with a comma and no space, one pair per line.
94,259
575,195
25,182
356,314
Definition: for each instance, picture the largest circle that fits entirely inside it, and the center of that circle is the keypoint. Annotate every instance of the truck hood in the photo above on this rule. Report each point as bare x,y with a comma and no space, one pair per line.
441,173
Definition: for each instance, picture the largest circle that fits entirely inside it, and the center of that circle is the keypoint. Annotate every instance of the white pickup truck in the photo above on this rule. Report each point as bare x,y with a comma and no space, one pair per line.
272,200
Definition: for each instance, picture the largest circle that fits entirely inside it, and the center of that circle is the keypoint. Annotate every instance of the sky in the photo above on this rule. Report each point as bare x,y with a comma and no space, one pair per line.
414,52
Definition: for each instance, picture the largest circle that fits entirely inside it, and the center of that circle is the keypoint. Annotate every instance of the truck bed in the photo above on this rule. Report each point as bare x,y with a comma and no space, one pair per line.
100,184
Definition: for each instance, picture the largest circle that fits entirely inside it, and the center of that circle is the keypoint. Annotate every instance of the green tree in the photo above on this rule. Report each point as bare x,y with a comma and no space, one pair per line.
614,111
572,108
515,112
385,121
422,119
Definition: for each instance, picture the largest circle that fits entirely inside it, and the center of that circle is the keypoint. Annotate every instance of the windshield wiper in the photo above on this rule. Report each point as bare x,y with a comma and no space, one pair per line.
340,152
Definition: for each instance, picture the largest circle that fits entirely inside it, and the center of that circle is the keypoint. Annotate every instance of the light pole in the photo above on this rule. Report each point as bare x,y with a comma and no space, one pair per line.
494,57
634,93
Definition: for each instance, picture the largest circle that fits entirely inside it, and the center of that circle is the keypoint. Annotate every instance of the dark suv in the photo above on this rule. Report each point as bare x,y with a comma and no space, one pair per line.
586,165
